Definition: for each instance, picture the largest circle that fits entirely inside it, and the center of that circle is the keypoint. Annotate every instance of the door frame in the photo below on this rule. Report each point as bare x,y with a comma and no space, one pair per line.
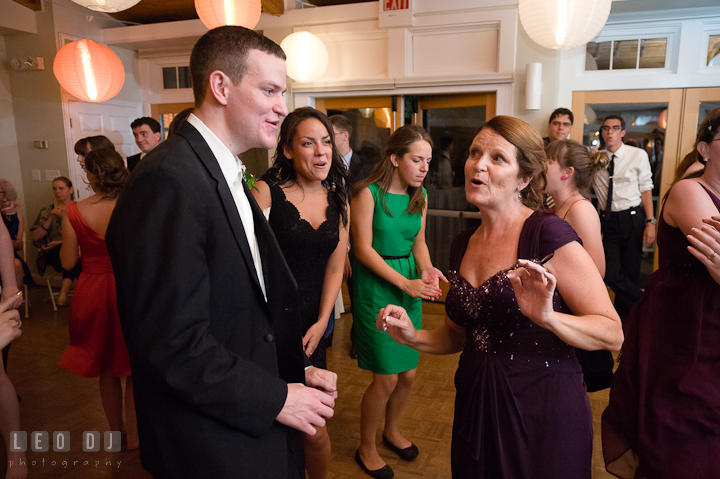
674,99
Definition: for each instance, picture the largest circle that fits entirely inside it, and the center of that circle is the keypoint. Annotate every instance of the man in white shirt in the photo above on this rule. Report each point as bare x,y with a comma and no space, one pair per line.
208,306
627,218
146,132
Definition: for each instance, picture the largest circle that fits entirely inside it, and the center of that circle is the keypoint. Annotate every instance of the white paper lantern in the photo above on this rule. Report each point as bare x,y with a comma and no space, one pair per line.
563,24
307,56
218,13
107,6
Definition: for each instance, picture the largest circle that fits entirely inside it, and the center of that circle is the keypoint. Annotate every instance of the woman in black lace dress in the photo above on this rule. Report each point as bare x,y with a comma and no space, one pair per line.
306,194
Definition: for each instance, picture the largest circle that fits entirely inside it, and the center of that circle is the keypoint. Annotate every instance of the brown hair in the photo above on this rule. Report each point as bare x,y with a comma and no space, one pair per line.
283,169
107,169
225,49
342,123
570,153
382,173
178,120
84,145
529,147
68,183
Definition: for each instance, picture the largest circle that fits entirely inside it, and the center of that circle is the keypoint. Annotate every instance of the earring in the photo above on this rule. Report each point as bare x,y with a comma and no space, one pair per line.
703,160
519,196
563,177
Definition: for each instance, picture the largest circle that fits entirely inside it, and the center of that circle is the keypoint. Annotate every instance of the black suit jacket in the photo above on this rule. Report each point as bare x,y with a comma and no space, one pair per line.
132,161
210,358
359,168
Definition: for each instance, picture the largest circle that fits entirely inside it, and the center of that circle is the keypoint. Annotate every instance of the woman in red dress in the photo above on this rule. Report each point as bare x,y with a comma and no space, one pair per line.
97,347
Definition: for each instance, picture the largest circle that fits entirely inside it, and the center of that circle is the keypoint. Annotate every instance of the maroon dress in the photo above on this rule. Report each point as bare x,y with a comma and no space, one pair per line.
96,340
521,409
664,414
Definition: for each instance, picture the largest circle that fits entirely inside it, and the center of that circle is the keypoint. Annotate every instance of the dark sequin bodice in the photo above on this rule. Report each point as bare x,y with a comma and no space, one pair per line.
495,325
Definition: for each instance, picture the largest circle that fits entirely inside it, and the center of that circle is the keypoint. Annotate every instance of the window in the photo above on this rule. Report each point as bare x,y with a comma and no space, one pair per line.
631,54
713,54
176,77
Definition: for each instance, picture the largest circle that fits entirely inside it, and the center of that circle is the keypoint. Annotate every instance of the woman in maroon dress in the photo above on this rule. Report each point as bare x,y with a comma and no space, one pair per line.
523,293
663,420
97,347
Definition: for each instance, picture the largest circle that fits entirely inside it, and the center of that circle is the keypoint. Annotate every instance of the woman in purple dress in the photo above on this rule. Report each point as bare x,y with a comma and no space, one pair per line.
523,293
663,420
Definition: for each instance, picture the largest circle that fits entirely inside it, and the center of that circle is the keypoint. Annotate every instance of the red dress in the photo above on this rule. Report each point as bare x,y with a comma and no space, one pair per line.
96,340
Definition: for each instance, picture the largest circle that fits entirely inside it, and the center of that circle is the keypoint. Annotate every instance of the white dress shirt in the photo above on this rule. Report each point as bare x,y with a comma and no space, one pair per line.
631,178
233,170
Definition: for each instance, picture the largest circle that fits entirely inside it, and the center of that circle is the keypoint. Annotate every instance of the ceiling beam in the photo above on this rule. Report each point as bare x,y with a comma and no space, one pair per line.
273,7
31,4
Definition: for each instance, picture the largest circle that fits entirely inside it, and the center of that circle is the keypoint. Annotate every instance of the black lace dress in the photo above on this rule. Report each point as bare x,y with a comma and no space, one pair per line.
306,251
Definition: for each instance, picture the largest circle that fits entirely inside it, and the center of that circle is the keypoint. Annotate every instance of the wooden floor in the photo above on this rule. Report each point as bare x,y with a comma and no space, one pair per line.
56,400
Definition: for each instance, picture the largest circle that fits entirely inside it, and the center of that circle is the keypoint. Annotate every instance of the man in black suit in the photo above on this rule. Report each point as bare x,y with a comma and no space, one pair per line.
356,166
208,306
146,132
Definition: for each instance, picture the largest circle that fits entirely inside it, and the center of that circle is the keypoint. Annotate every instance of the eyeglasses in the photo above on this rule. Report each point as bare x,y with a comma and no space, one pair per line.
613,128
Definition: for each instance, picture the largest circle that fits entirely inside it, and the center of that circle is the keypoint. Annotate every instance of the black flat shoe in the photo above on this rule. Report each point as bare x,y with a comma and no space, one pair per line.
407,454
384,472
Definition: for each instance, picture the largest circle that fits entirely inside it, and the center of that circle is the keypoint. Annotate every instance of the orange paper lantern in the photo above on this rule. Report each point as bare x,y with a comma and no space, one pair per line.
89,71
217,13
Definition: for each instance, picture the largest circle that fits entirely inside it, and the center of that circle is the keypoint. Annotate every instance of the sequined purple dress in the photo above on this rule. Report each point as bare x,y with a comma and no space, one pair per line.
521,410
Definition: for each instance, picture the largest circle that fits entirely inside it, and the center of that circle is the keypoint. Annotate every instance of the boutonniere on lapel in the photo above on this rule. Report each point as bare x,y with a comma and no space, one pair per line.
248,177
250,180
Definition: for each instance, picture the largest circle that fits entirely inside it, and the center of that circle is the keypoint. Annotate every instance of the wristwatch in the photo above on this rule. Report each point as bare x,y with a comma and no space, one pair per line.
651,220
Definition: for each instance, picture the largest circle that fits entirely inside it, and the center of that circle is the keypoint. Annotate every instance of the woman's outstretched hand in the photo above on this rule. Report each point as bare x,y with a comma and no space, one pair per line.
706,245
433,276
534,287
396,322
418,288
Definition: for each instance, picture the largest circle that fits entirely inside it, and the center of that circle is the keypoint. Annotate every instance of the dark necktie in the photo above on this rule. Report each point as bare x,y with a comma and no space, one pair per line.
608,204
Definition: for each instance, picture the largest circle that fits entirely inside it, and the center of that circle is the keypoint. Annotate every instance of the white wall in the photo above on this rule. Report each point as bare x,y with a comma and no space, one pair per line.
686,51
30,101
9,153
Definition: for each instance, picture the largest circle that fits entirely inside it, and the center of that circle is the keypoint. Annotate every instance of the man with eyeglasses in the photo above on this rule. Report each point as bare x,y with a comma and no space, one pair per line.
627,219
559,125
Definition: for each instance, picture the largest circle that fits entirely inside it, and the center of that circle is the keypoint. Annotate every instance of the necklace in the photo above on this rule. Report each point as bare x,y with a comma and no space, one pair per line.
563,203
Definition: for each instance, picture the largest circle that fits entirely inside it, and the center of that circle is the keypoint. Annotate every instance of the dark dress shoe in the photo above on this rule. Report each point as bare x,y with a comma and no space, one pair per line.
353,351
384,472
407,454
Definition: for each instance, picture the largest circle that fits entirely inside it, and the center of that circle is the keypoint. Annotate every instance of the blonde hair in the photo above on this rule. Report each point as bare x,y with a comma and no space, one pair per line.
586,163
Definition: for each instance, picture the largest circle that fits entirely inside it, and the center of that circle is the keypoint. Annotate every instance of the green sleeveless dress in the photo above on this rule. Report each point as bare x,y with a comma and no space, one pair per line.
393,238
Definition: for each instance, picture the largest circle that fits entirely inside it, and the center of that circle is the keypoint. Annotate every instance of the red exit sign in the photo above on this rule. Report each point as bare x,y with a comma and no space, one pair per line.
389,5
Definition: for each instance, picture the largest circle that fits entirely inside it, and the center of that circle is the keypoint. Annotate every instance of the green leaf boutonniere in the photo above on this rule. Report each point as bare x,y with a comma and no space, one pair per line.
250,180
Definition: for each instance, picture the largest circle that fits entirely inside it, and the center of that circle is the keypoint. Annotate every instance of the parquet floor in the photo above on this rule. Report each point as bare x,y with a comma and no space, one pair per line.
56,400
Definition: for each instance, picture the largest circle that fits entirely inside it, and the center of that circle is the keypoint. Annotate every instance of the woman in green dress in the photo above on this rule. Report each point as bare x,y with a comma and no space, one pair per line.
392,264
